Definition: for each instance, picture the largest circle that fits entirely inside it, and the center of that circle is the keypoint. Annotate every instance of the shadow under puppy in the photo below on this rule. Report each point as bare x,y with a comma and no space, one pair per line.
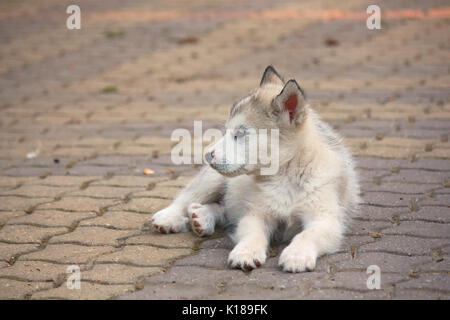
311,194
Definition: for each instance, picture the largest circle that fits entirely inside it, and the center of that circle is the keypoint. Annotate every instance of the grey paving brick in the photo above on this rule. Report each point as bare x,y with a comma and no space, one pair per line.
420,229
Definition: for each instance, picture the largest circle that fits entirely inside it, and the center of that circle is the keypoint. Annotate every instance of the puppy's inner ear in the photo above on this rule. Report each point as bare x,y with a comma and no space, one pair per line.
291,105
271,76
292,100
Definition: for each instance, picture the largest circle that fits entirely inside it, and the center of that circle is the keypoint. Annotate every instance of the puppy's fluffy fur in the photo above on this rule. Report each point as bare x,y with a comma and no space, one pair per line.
308,200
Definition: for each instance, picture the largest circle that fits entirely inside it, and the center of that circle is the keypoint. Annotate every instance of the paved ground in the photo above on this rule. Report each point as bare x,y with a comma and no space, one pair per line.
85,112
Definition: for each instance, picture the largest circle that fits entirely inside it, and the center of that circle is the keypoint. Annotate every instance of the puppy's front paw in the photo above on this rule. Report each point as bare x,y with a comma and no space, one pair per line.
170,220
247,257
202,219
294,259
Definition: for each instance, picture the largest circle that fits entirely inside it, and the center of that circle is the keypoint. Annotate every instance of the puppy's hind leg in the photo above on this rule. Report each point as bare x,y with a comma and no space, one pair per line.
203,218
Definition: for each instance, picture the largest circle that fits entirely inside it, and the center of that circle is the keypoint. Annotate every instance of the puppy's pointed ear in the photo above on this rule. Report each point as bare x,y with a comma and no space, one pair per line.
271,76
291,101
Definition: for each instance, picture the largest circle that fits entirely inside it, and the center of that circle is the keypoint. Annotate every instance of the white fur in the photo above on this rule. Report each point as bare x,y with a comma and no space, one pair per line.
312,196
203,218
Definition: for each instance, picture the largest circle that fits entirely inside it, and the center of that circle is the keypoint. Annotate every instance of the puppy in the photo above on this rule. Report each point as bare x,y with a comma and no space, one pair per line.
308,200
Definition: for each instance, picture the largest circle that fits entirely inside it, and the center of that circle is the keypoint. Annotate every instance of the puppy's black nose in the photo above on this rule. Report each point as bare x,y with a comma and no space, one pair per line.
210,157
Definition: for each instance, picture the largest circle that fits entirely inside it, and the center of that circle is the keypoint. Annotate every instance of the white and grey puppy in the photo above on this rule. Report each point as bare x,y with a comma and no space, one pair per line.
308,200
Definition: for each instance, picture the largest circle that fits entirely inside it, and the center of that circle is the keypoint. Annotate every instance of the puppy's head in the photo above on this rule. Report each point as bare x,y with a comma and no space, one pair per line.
273,111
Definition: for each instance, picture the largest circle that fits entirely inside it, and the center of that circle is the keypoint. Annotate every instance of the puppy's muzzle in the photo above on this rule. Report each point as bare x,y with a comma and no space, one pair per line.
211,158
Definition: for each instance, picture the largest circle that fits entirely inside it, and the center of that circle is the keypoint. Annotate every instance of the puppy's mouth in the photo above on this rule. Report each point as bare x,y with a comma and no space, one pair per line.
225,170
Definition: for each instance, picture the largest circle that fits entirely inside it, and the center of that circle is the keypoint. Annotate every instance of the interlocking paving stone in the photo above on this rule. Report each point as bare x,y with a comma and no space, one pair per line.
421,229
212,258
34,271
357,280
8,251
428,281
437,214
419,176
79,204
383,198
363,228
127,181
37,191
163,192
139,255
64,181
179,240
51,218
15,181
411,294
402,245
103,192
387,262
67,253
99,110
118,220
193,282
437,199
119,273
347,294
405,189
372,212
6,216
12,289
92,236
438,265
9,203
87,291
223,243
28,234
142,205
